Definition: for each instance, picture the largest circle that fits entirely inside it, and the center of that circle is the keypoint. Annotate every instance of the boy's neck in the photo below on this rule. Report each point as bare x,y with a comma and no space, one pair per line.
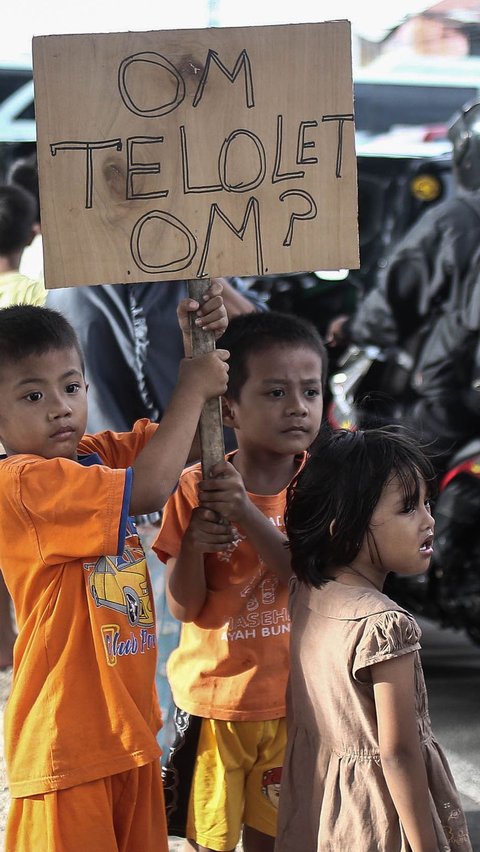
264,474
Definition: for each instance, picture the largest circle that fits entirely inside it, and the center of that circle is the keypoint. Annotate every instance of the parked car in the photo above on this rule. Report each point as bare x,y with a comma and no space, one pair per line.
17,112
420,92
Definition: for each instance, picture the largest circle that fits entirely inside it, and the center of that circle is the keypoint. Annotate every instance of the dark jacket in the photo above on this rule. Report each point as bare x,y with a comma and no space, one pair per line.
447,374
424,272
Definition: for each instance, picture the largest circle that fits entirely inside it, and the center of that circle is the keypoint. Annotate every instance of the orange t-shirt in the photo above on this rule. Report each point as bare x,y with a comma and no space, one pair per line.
240,671
83,702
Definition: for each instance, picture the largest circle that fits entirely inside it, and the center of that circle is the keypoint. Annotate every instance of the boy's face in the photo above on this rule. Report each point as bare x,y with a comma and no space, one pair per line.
281,403
43,405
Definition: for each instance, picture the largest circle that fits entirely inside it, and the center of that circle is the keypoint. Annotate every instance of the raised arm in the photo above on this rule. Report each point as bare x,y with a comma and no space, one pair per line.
401,755
157,468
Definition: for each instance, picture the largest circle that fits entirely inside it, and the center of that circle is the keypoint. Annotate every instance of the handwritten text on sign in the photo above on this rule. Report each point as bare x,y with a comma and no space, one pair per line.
192,153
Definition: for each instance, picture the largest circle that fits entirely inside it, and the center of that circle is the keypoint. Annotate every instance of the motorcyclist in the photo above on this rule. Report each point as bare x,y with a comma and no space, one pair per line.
446,378
428,293
427,266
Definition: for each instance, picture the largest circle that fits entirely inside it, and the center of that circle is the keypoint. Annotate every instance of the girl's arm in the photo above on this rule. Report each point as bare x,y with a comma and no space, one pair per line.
400,750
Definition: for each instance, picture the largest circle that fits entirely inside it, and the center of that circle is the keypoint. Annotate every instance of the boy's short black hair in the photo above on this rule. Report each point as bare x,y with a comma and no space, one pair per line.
256,332
32,330
24,172
17,218
342,481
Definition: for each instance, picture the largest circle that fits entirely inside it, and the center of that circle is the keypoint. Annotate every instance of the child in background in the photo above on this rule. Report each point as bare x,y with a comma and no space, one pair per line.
18,215
82,718
227,580
362,769
24,172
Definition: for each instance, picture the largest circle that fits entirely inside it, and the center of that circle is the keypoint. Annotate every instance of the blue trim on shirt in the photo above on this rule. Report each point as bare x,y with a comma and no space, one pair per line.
125,507
88,460
94,458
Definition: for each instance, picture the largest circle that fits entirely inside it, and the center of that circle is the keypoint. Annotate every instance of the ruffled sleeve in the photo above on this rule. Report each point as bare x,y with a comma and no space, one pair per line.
386,635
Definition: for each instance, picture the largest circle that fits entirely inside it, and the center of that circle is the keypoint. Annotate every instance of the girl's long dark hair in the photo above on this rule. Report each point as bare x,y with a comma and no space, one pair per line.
342,481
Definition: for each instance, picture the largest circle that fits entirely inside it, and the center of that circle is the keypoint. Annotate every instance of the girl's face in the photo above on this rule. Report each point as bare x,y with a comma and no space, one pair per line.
400,537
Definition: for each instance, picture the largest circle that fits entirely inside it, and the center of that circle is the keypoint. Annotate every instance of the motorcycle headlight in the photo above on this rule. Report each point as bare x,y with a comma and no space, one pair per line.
425,187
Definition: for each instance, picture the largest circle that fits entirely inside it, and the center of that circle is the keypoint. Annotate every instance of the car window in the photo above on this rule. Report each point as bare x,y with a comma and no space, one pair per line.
11,80
380,106
17,115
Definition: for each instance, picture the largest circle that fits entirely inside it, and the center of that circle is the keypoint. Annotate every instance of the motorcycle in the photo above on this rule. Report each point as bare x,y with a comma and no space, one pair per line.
369,389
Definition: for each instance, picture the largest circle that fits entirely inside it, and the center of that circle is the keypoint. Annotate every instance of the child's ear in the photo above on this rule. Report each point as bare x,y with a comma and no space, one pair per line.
228,415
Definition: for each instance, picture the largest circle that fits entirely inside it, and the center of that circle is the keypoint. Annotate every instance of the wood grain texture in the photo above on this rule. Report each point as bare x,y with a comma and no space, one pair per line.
189,154
210,425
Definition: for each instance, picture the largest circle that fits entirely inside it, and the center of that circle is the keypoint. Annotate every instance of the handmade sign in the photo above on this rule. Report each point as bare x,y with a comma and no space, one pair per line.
186,154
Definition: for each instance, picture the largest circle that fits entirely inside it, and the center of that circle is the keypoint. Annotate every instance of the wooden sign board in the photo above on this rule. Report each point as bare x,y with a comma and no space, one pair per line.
195,153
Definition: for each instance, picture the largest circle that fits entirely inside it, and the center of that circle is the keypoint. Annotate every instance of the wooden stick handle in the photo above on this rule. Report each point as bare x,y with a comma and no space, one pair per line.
210,425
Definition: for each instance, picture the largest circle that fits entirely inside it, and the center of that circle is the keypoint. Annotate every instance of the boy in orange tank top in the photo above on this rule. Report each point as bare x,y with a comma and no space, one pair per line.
228,568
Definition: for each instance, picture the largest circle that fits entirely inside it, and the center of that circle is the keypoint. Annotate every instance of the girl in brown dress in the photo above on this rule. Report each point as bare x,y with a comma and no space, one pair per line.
363,770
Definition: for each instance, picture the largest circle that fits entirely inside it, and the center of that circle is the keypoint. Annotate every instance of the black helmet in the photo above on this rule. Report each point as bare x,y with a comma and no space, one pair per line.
464,134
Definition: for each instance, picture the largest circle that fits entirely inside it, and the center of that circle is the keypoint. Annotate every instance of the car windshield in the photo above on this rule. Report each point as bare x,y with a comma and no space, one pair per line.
380,106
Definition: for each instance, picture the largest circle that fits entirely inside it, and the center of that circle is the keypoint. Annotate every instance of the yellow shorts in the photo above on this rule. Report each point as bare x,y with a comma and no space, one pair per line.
236,781
124,811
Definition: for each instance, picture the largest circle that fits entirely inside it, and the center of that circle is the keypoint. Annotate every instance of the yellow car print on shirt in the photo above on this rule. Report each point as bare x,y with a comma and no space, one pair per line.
120,583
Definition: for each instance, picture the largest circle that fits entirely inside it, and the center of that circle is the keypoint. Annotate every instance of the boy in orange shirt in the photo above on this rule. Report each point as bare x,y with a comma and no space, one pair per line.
82,718
18,211
223,542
